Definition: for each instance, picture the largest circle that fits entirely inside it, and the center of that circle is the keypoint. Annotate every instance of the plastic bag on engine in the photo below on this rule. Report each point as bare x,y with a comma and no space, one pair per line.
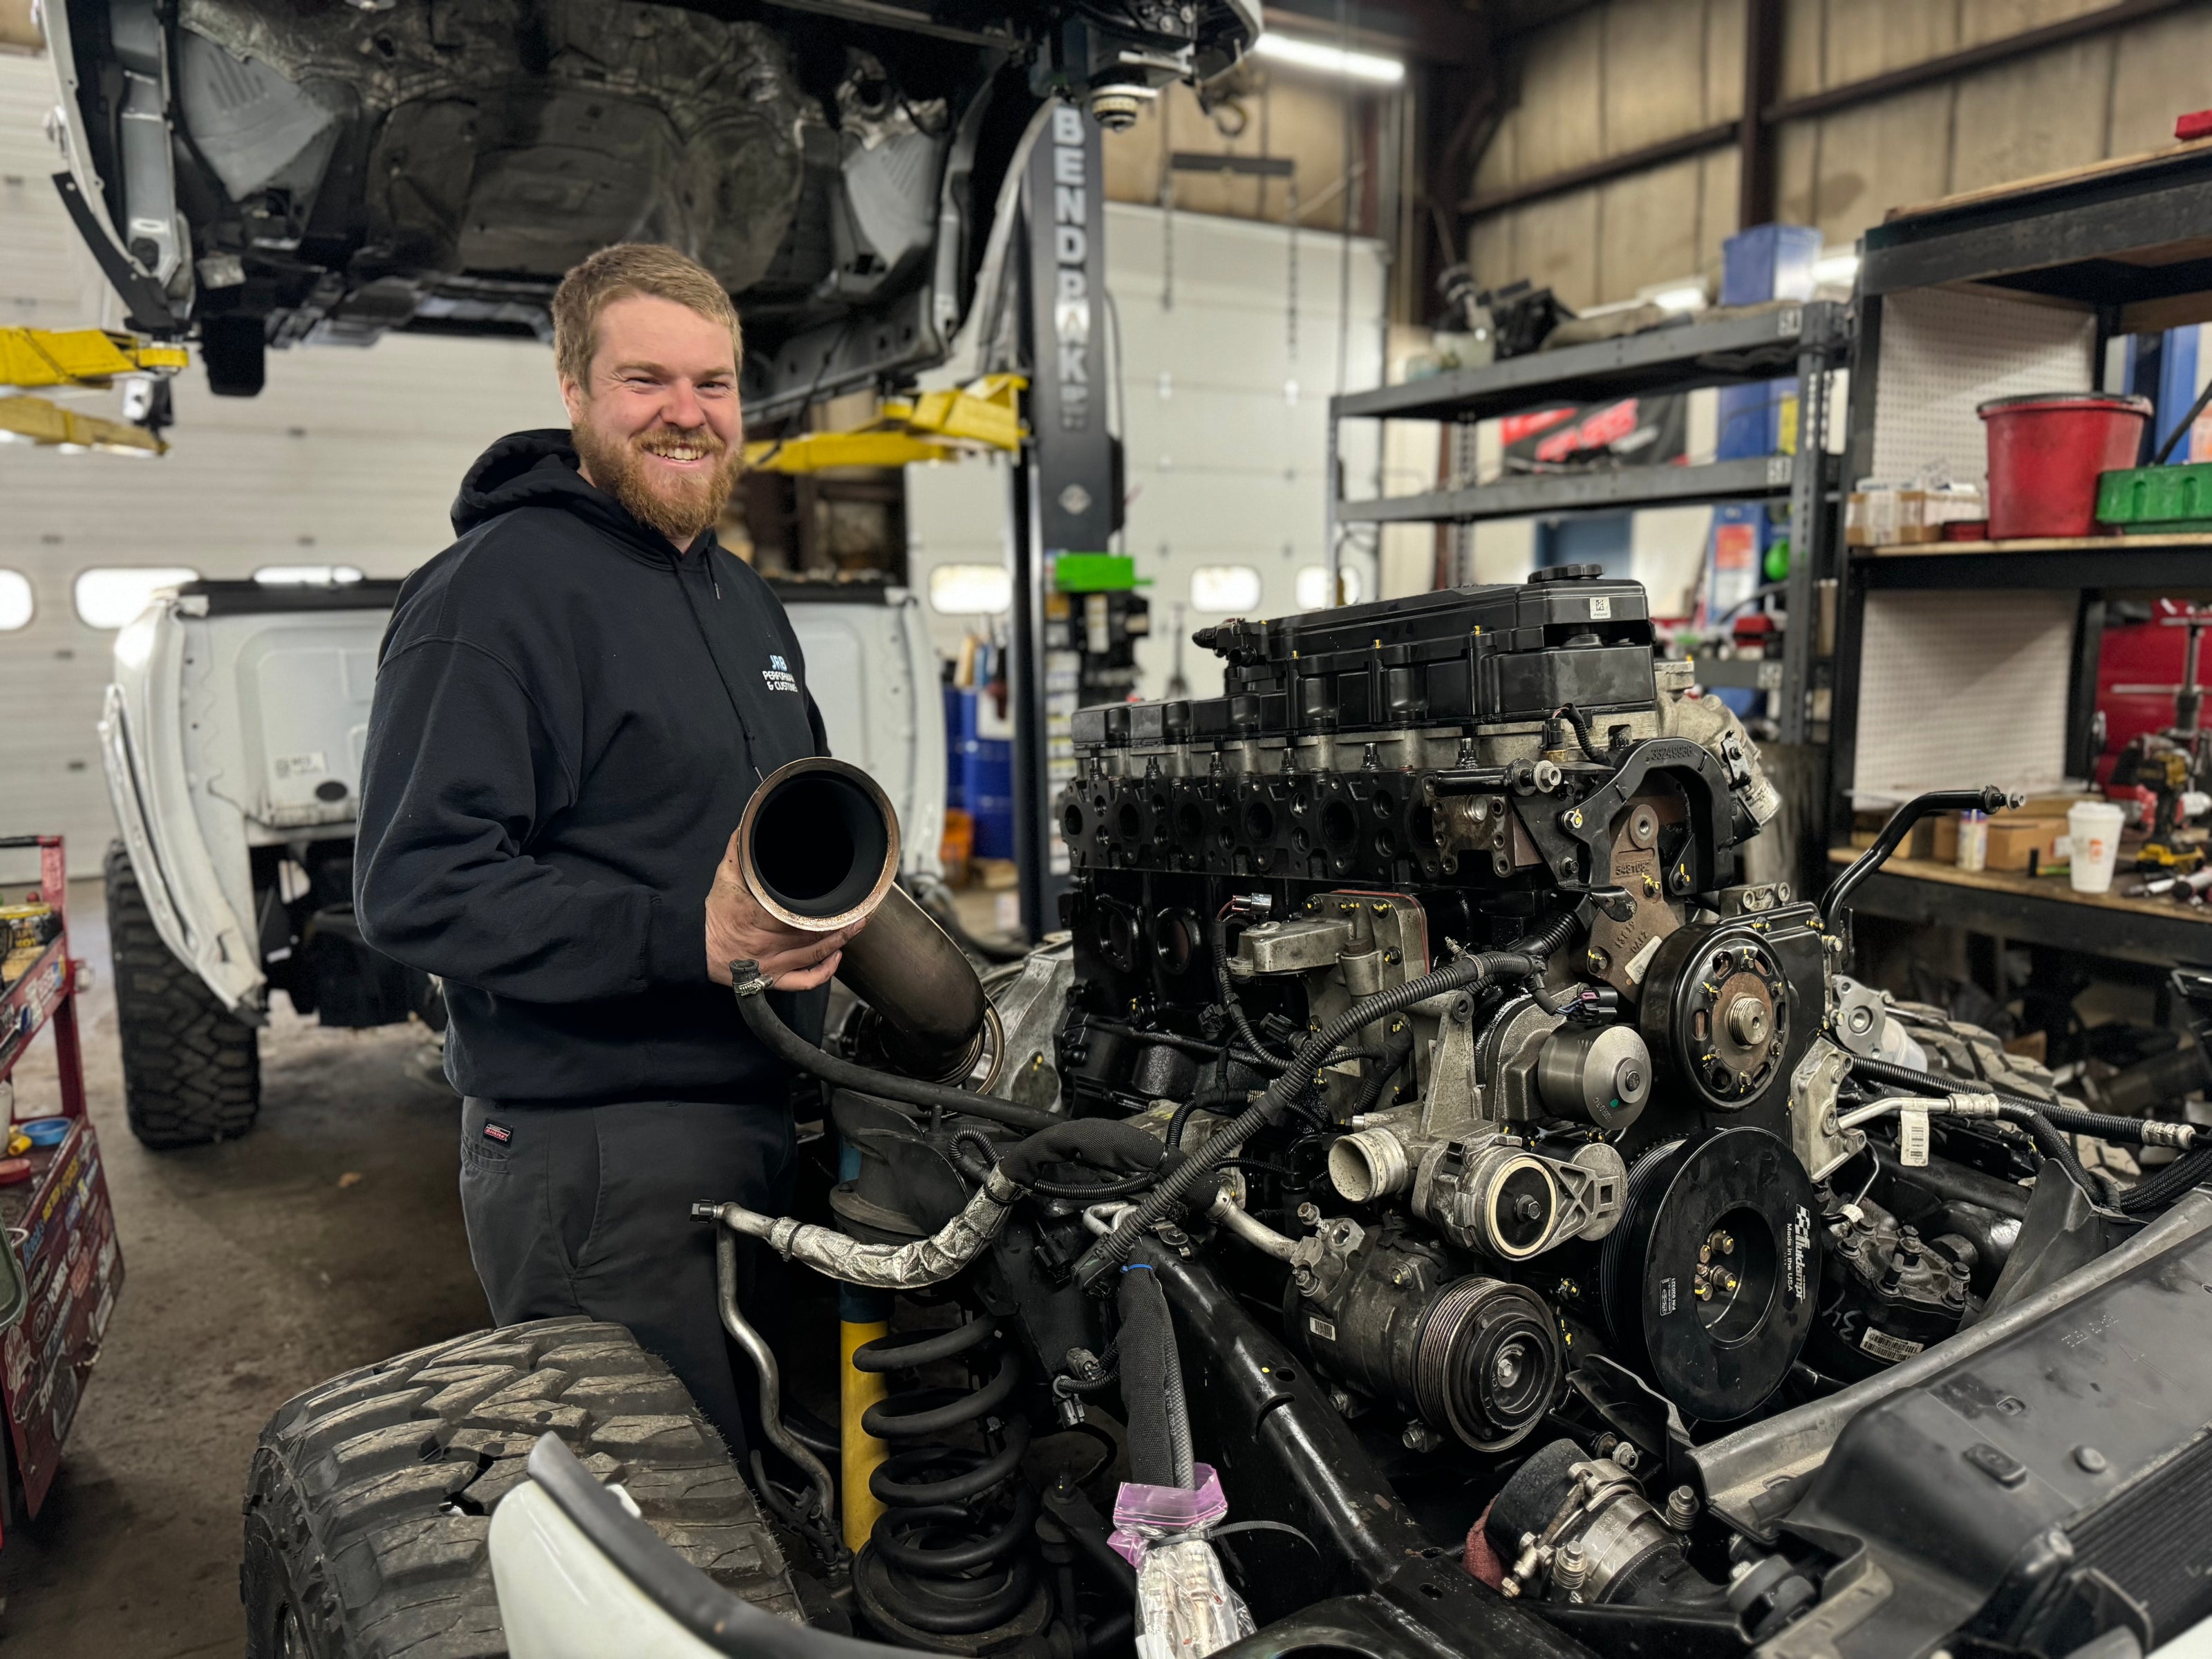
1186,1608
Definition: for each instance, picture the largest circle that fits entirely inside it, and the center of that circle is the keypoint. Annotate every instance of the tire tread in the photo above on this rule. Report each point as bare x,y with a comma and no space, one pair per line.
369,1499
192,1069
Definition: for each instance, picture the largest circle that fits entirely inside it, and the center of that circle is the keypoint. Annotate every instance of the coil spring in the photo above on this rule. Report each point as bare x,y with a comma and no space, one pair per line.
950,1556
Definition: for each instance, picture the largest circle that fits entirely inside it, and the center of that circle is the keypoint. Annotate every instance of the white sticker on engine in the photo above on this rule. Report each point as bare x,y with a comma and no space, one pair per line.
1882,1345
309,765
1636,964
1320,1328
1912,1137
1600,609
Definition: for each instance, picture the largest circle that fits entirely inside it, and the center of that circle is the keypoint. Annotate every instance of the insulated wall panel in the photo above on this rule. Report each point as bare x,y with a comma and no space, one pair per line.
1945,703
1944,354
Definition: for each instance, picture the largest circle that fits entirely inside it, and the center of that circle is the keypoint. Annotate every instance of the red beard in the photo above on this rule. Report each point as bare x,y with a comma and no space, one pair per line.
677,505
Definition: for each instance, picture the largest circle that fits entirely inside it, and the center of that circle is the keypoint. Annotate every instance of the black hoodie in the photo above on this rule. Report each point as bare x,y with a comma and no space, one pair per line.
568,719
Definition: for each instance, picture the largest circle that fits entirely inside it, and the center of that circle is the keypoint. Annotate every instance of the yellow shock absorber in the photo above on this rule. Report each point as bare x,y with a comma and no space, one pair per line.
857,1390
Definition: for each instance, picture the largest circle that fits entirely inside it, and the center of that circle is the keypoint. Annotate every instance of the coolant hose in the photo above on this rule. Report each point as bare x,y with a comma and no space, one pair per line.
794,1050
1151,1382
1111,1251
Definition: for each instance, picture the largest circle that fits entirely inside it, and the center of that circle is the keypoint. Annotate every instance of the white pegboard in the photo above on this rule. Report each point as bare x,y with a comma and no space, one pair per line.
1943,354
1957,690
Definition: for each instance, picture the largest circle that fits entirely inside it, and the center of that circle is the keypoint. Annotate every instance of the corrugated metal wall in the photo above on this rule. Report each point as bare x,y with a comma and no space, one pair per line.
348,458
1631,73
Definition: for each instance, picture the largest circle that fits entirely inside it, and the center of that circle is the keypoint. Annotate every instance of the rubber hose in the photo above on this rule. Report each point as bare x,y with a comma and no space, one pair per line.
1989,800
2161,1186
2140,1132
795,1050
1111,1251
1147,1353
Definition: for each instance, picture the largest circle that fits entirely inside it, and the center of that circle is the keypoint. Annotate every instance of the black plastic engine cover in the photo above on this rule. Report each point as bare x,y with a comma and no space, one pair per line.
1465,654
2049,1487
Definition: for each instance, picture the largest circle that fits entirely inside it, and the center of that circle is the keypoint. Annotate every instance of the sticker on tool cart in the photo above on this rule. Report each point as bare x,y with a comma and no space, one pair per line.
1320,1328
1912,1137
312,764
1882,1345
1600,609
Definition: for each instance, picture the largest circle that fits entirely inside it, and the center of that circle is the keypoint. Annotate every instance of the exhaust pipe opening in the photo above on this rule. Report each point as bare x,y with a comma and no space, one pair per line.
825,845
818,847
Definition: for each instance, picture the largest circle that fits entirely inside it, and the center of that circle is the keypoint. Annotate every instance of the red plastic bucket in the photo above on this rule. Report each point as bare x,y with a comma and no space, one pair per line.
2045,451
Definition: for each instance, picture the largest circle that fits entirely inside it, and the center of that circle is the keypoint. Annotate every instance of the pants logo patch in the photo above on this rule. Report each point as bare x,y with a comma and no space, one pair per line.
498,1131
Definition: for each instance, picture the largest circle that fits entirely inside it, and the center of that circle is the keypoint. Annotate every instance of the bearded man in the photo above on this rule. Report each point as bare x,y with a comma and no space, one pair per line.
574,702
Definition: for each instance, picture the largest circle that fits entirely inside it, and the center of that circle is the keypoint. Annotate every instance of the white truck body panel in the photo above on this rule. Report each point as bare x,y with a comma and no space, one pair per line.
226,730
560,1597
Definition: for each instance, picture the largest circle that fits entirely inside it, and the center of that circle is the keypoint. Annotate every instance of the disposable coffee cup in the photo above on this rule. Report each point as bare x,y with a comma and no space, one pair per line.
2093,826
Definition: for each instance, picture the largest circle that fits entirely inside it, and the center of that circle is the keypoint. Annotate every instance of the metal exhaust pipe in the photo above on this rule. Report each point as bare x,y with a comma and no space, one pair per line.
818,847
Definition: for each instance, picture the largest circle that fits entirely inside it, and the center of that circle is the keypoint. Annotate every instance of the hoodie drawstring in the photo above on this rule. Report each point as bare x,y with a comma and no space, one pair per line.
676,570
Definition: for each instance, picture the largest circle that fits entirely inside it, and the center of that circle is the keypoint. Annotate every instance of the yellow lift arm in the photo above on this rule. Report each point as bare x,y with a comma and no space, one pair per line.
87,359
937,426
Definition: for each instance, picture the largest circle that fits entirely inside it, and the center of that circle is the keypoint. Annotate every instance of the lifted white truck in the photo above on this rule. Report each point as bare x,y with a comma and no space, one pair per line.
233,738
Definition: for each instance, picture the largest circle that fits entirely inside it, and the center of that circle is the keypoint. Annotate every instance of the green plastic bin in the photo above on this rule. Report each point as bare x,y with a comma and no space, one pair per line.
2156,501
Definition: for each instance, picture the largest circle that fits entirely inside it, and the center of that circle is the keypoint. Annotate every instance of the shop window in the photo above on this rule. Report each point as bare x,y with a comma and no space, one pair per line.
1313,586
1224,589
971,590
108,596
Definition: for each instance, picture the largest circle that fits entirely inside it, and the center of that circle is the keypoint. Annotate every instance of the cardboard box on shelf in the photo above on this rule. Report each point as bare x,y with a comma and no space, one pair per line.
2013,837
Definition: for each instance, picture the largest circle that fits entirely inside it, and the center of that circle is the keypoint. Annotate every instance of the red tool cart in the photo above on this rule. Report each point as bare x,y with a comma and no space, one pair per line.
61,1252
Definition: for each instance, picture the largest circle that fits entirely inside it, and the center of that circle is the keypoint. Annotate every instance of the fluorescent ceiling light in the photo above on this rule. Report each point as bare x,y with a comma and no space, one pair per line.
1330,60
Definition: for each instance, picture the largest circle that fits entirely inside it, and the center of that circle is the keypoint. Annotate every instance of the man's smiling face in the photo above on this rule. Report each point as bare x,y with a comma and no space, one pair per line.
657,424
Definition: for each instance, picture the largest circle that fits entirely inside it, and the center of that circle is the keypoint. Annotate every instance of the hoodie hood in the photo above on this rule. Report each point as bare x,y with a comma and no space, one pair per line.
540,469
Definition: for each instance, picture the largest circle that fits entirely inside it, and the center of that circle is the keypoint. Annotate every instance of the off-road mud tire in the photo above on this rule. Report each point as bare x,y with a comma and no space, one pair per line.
192,1069
369,1503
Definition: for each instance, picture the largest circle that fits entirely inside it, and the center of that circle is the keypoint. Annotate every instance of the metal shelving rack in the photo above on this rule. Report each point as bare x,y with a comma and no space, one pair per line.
1735,348
2017,288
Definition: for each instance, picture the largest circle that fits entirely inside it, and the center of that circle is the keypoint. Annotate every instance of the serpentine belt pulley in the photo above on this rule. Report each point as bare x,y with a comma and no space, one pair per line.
1711,1277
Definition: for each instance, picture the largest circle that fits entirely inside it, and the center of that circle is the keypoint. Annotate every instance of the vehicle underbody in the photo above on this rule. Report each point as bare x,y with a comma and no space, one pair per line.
264,174
1425,1203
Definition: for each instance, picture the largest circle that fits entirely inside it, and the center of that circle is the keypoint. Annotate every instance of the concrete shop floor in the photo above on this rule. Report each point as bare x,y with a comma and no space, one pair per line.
328,1238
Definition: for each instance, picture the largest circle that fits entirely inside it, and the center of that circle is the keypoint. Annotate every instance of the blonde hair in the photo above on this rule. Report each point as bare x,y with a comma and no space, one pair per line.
618,272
